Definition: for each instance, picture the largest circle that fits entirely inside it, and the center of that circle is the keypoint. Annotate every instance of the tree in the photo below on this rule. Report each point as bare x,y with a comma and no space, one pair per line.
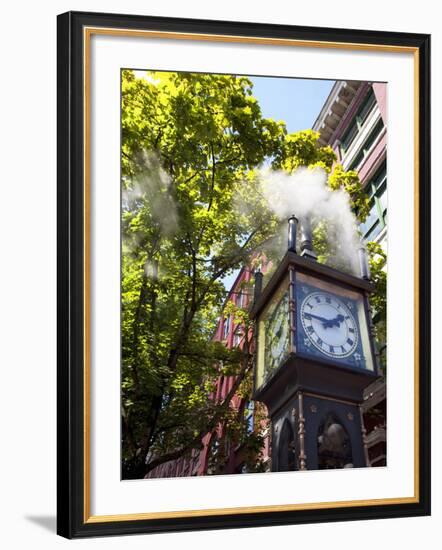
189,142
192,213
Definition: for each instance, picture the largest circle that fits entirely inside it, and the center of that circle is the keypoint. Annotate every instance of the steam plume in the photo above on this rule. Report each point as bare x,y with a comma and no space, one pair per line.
305,193
149,194
152,187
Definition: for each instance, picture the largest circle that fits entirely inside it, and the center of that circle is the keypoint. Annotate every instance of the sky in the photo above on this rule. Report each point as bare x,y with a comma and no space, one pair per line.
296,101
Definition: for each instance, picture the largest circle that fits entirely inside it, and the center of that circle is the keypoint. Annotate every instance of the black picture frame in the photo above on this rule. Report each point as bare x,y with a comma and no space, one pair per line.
72,508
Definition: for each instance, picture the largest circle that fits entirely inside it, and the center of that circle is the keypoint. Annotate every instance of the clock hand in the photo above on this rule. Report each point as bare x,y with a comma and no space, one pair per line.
336,321
322,319
327,323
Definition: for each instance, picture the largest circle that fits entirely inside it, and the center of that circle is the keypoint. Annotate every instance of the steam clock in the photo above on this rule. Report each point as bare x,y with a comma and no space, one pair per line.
315,356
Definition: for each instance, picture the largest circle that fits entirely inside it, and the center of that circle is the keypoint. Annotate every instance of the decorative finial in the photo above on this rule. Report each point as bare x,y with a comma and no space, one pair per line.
292,228
363,262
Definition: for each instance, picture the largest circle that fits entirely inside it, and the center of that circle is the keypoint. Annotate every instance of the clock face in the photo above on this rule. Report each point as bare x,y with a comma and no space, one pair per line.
329,324
277,335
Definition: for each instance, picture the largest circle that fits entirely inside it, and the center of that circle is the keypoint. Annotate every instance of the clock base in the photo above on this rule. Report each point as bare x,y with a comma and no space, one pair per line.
316,433
315,415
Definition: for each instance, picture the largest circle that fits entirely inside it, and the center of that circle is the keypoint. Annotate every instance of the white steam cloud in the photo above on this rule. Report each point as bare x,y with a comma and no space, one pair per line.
152,187
150,194
305,194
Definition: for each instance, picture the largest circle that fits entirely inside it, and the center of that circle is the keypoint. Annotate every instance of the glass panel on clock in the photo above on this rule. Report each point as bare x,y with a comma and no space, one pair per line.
331,323
273,334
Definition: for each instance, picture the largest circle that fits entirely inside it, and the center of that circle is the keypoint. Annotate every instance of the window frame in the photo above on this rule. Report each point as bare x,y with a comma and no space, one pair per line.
375,189
357,122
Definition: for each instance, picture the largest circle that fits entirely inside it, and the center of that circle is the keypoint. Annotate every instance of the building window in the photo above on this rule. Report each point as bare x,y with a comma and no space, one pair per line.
238,336
241,301
249,411
377,217
367,145
213,458
358,122
226,327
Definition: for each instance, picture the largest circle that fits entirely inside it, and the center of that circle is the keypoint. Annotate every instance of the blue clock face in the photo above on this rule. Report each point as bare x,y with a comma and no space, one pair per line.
328,326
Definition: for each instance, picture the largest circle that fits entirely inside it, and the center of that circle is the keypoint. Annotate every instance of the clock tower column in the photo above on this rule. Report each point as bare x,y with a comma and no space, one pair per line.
315,356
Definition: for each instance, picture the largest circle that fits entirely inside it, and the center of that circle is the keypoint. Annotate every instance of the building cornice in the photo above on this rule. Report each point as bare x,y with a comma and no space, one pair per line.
338,102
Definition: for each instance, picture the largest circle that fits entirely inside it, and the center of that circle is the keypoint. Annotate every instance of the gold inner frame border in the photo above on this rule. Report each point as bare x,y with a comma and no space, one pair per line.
88,32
